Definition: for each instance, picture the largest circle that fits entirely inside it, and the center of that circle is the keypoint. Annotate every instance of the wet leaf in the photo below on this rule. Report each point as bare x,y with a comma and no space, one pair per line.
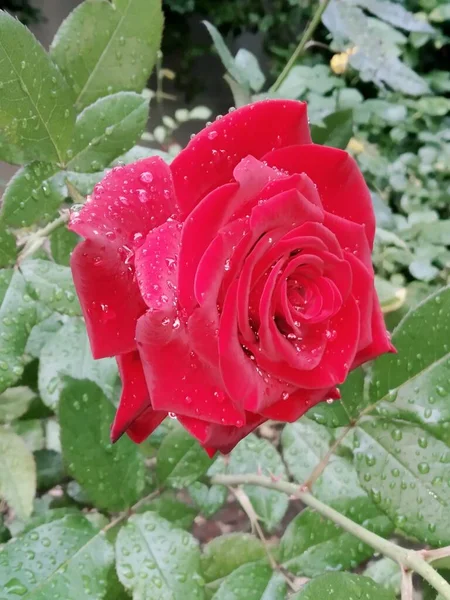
157,560
254,455
68,353
112,475
224,554
312,545
305,444
252,582
343,586
36,112
107,129
180,460
103,48
62,559
17,474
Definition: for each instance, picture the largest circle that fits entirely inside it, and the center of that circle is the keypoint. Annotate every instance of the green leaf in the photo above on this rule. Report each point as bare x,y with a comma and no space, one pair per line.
252,582
254,454
225,55
208,498
387,573
14,403
17,474
36,112
32,433
17,316
404,468
376,57
5,280
436,106
157,560
440,14
180,460
224,554
305,443
112,475
337,130
312,545
32,195
340,413
52,285
107,129
40,334
103,48
171,509
343,586
63,559
8,248
248,64
48,516
62,244
421,339
396,15
49,468
68,353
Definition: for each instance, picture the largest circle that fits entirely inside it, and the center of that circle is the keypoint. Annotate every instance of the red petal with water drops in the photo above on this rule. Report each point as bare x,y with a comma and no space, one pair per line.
244,381
109,298
135,399
213,213
381,340
219,437
176,378
157,266
292,406
209,159
337,359
128,203
338,179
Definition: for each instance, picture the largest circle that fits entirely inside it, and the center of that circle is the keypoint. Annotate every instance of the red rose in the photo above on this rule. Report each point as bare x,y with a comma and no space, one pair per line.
234,285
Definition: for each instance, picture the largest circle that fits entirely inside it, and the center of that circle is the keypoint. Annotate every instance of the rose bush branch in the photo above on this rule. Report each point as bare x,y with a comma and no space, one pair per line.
34,241
408,560
308,33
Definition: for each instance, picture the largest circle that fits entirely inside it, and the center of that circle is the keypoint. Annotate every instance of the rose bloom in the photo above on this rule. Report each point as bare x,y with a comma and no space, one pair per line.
236,284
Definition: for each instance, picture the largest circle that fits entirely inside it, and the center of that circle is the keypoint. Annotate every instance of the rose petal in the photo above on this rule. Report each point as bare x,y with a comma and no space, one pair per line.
274,345
351,236
213,213
157,265
177,380
337,359
362,291
338,179
209,159
295,405
244,381
219,437
144,425
127,204
109,298
135,399
381,340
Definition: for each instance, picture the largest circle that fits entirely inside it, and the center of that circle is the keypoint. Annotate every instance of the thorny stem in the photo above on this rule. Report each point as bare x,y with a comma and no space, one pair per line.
317,472
409,560
35,240
247,507
407,591
127,513
308,33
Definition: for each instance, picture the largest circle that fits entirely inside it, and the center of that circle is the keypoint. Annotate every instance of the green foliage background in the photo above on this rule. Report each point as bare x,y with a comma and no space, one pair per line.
80,517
